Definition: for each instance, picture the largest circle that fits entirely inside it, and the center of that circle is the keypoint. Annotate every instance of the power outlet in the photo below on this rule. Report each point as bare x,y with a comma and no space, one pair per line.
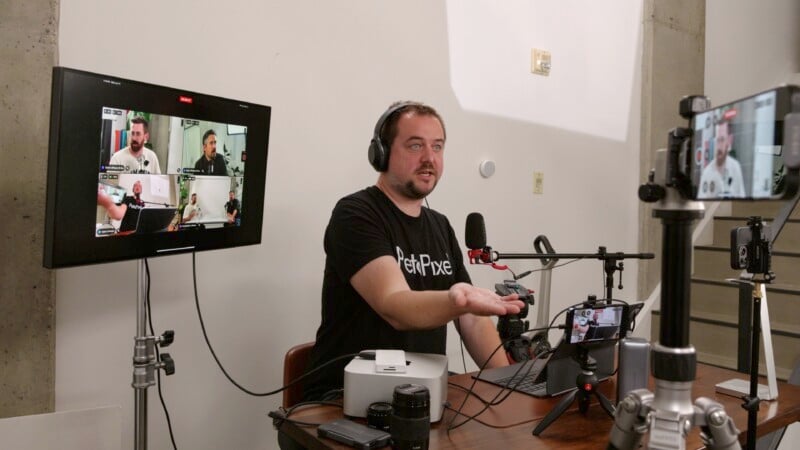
538,182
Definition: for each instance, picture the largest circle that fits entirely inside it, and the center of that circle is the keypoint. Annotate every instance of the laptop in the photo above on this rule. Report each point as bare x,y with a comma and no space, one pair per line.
551,375
602,332
154,219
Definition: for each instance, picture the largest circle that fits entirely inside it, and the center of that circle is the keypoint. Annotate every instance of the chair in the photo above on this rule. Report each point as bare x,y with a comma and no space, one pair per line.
294,365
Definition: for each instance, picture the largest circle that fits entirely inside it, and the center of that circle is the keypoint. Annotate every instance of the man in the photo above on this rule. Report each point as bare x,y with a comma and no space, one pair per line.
211,163
394,274
127,210
136,158
192,210
232,208
722,178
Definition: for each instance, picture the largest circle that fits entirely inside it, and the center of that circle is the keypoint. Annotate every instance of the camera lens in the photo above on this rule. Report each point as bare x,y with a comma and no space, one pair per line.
378,415
410,422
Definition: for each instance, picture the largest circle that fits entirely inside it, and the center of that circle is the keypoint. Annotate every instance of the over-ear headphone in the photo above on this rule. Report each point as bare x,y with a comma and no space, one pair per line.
378,153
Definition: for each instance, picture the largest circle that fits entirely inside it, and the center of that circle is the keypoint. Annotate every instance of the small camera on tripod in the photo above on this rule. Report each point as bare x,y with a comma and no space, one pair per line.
510,327
513,325
751,247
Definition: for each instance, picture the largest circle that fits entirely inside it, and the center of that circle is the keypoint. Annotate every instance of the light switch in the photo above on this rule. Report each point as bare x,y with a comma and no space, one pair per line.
540,62
538,182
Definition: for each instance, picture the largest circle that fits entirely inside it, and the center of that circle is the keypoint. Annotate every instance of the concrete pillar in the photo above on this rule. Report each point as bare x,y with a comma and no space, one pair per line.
673,63
28,49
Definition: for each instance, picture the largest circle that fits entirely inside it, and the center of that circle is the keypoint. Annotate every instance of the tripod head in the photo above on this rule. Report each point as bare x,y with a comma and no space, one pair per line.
512,326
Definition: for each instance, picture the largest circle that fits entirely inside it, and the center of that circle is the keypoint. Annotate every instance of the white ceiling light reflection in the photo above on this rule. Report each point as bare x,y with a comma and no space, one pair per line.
594,49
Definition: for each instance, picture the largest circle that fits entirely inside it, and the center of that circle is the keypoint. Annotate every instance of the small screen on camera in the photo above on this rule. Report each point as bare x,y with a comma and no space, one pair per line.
595,323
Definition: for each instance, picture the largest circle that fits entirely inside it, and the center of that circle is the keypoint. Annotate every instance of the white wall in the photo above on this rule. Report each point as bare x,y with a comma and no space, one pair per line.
328,69
751,48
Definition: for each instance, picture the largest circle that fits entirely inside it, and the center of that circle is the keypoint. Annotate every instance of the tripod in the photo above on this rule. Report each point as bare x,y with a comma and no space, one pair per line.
751,249
669,414
586,383
145,362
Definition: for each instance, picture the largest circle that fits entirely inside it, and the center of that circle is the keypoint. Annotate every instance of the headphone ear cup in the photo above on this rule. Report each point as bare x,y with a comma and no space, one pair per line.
377,155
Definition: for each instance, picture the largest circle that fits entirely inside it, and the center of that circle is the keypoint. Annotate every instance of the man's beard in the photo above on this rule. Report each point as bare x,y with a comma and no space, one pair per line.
411,191
136,146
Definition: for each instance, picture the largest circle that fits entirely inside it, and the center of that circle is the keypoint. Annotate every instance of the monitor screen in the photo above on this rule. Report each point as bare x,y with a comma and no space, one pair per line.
138,170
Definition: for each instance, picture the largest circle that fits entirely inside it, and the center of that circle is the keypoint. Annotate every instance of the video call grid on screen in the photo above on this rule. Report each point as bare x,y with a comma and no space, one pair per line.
169,173
595,324
756,146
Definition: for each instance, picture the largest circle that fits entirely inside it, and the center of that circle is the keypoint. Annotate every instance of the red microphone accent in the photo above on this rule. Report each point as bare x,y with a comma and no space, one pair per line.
479,256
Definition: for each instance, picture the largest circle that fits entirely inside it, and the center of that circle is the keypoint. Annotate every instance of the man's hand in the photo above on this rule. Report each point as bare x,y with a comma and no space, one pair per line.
483,302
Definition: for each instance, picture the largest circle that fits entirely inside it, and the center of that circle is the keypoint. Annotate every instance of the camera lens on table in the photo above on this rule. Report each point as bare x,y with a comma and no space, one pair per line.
410,422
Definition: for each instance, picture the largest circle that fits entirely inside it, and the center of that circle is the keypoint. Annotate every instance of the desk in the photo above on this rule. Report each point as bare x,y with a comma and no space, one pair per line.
509,424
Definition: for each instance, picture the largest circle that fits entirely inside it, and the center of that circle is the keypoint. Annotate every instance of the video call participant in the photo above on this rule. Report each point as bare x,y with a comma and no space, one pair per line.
129,205
192,210
722,178
582,323
211,163
394,273
232,208
136,158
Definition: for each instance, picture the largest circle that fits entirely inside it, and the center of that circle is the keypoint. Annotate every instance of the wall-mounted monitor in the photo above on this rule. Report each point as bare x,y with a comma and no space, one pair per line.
137,170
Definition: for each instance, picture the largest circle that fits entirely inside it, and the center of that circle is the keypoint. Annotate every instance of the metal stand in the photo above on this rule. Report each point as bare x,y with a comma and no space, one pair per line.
145,362
754,256
586,383
539,343
669,414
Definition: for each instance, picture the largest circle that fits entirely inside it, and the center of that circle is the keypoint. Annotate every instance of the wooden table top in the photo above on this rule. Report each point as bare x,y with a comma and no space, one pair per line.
509,424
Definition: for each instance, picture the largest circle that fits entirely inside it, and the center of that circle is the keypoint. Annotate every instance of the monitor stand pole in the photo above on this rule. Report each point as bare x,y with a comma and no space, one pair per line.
146,359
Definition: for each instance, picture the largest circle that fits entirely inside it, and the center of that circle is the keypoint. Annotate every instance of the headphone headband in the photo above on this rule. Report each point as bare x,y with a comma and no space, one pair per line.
378,153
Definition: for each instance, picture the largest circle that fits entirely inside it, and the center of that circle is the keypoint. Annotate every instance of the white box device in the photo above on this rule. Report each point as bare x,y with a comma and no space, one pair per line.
390,361
364,384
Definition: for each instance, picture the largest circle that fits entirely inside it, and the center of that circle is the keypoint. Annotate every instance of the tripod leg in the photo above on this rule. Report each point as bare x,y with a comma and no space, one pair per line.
607,406
583,401
555,413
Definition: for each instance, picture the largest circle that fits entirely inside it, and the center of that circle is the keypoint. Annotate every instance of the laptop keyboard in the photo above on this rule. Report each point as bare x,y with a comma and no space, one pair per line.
527,384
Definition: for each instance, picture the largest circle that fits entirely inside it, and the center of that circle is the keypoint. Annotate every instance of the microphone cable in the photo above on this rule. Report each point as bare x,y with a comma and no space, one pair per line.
528,272
158,355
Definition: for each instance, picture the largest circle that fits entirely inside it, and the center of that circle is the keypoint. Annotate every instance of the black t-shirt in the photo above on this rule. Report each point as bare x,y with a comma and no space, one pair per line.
214,167
364,226
233,205
131,216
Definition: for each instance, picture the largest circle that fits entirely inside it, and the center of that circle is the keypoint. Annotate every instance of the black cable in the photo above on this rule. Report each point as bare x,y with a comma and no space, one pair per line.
158,355
225,372
505,391
494,401
282,414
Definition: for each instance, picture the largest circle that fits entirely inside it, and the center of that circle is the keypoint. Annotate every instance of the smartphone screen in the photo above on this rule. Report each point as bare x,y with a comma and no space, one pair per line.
737,148
595,323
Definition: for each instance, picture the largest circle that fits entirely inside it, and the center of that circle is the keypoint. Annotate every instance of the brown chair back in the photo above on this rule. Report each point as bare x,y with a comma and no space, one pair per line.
294,365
